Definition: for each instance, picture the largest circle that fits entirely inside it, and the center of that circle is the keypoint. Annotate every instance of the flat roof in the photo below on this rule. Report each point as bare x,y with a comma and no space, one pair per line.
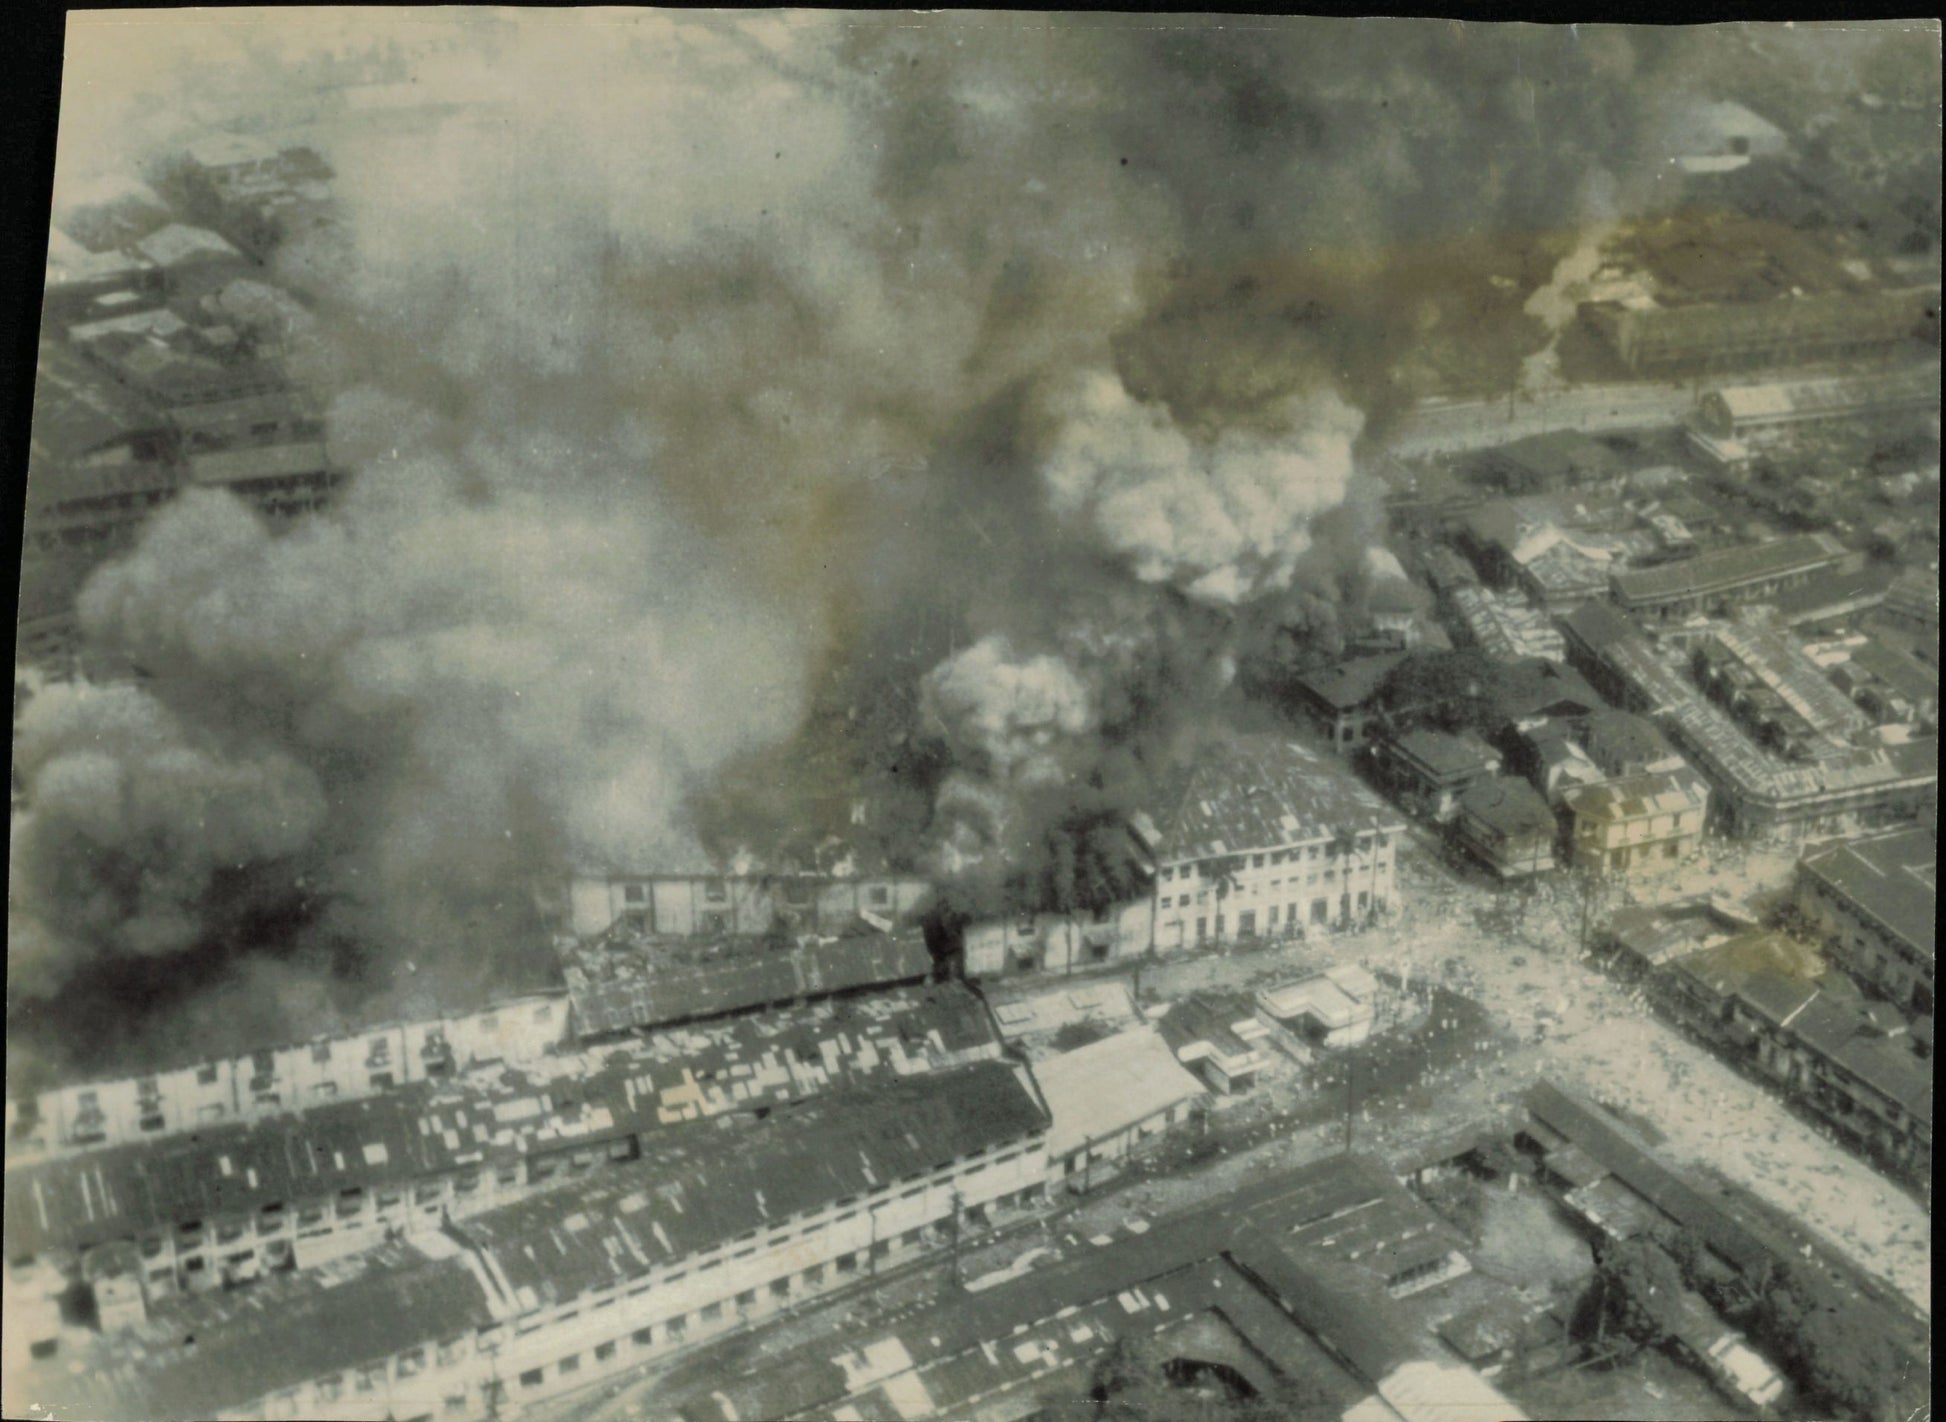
1110,1085
1215,1018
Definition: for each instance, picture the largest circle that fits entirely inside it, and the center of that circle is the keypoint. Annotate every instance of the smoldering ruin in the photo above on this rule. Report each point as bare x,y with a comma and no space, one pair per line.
746,418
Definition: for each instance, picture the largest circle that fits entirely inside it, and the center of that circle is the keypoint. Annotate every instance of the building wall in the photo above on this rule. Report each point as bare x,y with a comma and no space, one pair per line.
1866,947
686,905
1073,1168
571,1343
1276,892
1638,844
89,1115
1059,943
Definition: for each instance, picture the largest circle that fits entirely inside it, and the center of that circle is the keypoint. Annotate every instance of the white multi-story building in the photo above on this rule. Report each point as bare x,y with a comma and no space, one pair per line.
1261,838
1268,838
278,1080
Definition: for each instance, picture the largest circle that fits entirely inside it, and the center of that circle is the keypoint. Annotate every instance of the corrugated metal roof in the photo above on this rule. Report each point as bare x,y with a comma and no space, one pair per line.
1731,568
689,1194
1244,794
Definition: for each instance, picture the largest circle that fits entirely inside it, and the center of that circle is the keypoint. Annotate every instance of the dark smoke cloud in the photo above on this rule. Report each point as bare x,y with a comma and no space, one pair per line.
756,412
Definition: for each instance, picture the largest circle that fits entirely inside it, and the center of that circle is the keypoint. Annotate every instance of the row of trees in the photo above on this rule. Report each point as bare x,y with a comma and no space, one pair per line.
1839,1358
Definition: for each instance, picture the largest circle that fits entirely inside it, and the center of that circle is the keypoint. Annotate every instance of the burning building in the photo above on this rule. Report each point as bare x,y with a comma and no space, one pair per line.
1255,838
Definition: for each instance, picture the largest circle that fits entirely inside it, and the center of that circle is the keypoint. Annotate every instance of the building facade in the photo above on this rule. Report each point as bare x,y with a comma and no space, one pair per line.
1059,942
1876,902
1640,825
1270,839
703,903
276,1081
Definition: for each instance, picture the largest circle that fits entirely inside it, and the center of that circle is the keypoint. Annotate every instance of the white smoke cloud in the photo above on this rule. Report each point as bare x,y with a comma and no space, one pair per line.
1555,302
1008,714
1225,517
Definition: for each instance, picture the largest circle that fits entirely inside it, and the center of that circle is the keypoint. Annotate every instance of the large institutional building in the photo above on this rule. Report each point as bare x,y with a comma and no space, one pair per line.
1260,838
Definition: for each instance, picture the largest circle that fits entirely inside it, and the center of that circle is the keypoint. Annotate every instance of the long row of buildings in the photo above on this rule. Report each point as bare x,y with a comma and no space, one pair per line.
702,1233
1262,839
220,1205
1760,785
1845,1027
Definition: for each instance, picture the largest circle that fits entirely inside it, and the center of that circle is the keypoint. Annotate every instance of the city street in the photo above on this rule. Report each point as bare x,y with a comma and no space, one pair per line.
1550,1012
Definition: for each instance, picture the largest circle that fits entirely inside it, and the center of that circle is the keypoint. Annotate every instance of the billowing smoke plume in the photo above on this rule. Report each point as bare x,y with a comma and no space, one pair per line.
1226,518
710,381
1010,726
1004,715
135,815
